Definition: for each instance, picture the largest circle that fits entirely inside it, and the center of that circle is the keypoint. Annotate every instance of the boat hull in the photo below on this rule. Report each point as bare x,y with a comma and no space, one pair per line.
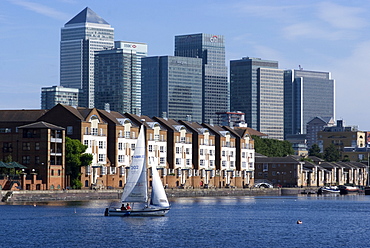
329,190
142,212
344,190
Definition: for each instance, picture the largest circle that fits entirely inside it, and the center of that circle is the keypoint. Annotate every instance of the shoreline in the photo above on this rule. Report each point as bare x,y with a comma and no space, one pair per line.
114,194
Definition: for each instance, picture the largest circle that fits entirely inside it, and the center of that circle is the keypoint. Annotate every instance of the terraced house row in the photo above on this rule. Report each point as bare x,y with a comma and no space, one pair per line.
187,154
291,171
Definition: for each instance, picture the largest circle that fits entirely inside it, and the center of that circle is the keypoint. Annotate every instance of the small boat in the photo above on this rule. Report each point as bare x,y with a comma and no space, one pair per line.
347,189
135,192
329,190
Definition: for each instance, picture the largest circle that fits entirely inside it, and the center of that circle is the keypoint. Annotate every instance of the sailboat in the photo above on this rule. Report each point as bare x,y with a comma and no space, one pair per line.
135,199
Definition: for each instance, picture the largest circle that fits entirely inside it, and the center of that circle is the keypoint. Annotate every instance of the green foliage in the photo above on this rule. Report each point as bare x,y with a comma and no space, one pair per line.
306,159
75,158
315,151
346,159
76,183
272,147
86,159
331,153
8,159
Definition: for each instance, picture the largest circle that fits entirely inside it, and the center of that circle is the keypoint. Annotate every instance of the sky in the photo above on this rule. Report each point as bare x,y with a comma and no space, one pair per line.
330,36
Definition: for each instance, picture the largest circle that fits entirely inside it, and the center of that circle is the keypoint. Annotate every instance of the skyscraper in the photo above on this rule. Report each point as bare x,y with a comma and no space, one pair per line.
307,94
211,49
172,87
257,89
118,77
81,37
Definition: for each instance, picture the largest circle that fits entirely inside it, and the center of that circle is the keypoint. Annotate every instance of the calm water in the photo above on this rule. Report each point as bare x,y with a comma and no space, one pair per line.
335,221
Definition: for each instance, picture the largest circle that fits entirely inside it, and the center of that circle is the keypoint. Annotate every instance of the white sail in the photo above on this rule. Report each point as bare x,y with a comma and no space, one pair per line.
136,188
158,196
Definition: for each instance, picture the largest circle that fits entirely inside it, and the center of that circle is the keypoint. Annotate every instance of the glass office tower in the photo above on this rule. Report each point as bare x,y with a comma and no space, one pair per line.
172,87
51,96
308,94
257,89
211,49
118,77
81,37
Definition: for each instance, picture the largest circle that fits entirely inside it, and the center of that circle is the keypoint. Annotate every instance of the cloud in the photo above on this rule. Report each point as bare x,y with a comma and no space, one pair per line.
351,74
356,66
315,30
265,52
324,20
280,12
341,17
41,9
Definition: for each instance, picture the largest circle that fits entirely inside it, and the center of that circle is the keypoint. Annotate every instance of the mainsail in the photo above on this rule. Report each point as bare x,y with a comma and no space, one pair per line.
136,188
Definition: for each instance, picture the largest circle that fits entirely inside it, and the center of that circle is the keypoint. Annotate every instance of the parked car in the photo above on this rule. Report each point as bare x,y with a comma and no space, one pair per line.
263,185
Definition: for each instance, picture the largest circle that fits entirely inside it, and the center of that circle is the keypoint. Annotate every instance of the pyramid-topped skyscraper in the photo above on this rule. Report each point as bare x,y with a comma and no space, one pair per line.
87,15
81,37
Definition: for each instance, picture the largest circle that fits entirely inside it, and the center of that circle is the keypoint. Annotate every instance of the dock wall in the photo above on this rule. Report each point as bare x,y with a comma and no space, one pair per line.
86,195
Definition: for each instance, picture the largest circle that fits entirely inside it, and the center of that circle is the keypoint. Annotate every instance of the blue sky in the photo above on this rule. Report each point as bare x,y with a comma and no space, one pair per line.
317,35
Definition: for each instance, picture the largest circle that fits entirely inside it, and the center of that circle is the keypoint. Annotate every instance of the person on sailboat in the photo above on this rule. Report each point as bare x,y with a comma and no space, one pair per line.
123,207
128,206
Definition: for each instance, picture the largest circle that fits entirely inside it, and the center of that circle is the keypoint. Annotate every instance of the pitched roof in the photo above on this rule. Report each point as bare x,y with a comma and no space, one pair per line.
328,165
87,15
316,159
139,120
21,115
276,160
195,127
251,131
71,109
16,165
42,125
218,130
112,116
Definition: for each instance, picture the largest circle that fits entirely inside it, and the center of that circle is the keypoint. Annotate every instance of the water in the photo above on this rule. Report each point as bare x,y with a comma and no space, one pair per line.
263,221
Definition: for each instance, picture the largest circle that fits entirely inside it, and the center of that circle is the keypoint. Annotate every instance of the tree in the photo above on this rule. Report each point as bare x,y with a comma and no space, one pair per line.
346,159
331,153
75,159
272,147
315,151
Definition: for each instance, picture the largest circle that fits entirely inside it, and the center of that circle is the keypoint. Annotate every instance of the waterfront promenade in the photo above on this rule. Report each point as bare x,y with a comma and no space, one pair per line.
115,194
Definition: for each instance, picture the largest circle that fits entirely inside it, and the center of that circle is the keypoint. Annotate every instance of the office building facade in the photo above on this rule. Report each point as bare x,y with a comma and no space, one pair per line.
118,77
314,126
211,49
257,89
81,37
307,94
172,87
51,96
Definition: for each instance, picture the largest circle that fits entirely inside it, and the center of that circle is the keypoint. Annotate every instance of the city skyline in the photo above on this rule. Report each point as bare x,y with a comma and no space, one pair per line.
325,36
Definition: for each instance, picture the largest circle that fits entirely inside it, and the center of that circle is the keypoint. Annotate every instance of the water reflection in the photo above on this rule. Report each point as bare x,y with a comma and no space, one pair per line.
213,200
204,221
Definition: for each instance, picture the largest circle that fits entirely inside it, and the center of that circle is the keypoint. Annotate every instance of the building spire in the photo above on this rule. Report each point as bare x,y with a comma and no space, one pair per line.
87,15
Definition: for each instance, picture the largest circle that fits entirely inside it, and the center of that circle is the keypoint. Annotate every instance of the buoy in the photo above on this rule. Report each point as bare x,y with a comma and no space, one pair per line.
299,222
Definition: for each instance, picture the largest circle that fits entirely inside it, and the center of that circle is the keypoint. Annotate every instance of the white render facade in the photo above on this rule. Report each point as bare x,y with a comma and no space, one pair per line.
95,138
